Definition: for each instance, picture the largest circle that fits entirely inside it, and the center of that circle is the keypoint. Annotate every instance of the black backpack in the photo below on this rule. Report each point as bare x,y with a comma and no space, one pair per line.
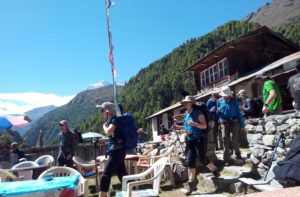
203,108
257,107
287,171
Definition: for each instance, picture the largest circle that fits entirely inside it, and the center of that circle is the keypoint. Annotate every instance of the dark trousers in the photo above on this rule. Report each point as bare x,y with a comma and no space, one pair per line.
196,148
217,135
61,160
230,134
115,164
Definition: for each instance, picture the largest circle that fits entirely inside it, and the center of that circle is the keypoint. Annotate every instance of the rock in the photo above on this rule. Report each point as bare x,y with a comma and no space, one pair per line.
262,146
288,142
252,121
271,127
259,129
295,129
254,138
261,122
269,140
281,119
249,128
262,166
257,152
254,160
280,152
283,127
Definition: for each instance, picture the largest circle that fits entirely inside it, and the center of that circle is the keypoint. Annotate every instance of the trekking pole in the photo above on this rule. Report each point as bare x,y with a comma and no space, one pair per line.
96,166
281,136
172,128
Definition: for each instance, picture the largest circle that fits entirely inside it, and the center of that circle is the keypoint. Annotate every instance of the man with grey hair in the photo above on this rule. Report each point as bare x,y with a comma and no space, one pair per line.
294,87
116,151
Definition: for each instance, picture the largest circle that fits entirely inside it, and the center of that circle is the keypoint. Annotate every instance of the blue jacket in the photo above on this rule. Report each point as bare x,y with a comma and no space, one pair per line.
229,110
211,103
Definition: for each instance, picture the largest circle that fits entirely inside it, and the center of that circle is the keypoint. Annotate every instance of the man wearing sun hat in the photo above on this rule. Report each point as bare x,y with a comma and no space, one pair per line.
231,121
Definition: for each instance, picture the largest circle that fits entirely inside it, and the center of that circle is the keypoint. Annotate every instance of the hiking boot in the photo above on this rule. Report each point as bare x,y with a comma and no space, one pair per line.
216,173
238,156
190,188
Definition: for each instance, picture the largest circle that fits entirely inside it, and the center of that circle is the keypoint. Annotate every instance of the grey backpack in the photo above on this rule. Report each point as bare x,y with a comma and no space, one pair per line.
180,173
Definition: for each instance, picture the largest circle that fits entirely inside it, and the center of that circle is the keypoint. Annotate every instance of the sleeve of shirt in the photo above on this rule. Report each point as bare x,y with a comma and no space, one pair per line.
269,85
208,104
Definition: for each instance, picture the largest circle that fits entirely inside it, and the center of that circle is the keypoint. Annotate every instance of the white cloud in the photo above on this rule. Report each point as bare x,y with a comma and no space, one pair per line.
19,103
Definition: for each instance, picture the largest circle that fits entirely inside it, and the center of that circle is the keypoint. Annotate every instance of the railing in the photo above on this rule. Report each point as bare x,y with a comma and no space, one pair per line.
84,151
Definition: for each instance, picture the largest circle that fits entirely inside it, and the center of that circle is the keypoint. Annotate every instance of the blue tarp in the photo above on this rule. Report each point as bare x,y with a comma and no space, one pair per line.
40,185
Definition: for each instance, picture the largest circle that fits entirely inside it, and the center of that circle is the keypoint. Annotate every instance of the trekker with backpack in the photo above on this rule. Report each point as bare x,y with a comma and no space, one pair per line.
212,107
231,121
195,126
116,149
251,107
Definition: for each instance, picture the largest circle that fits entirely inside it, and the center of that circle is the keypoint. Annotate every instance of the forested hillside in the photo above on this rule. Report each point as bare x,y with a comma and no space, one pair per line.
160,84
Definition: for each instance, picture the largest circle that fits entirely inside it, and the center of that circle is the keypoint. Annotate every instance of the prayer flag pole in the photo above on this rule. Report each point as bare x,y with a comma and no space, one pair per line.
108,5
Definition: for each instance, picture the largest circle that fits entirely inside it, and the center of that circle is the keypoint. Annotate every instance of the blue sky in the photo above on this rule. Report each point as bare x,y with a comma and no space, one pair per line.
60,46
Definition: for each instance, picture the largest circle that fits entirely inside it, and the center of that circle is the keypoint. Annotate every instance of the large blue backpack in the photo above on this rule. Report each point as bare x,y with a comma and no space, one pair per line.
130,131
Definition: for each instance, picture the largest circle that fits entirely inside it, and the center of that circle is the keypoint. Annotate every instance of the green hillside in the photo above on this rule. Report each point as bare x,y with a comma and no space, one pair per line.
159,85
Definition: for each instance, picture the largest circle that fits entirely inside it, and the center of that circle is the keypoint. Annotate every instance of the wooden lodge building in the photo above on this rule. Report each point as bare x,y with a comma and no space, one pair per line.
235,64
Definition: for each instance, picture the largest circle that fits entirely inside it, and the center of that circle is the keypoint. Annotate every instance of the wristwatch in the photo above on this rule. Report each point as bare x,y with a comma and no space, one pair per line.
265,104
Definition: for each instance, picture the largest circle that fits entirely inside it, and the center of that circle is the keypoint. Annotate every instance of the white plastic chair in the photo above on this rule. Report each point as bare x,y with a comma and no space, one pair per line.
82,164
155,171
60,171
45,160
28,173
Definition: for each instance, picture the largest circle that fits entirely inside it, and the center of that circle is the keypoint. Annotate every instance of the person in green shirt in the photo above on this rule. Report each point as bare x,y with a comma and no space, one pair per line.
271,95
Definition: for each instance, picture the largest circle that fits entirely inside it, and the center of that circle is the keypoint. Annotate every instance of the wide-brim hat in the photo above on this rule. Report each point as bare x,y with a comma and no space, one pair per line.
188,99
261,75
215,91
225,91
242,93
108,106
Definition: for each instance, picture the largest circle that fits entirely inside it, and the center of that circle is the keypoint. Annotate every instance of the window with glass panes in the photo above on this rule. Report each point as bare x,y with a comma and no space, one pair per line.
202,78
223,68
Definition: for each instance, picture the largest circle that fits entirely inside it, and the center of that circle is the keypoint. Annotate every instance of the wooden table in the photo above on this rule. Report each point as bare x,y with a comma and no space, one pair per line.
130,160
58,186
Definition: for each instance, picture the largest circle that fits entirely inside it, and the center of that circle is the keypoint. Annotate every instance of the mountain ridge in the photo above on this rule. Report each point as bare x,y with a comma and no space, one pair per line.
79,108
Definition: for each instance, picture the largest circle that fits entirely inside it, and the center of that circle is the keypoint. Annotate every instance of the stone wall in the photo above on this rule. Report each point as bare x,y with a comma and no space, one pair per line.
263,133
